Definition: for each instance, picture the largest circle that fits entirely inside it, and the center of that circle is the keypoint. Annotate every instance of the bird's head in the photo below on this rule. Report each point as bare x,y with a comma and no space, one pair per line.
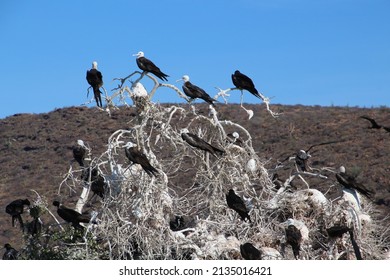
303,155
139,54
56,203
236,135
342,169
80,143
94,65
185,78
184,130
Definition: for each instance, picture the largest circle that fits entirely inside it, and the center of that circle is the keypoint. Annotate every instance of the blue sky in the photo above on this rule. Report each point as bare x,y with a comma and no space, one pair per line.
296,51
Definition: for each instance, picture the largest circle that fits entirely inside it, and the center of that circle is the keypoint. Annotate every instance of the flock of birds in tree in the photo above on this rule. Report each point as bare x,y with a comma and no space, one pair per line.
242,82
99,187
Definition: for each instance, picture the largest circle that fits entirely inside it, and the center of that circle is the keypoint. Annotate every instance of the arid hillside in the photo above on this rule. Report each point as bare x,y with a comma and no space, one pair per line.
36,149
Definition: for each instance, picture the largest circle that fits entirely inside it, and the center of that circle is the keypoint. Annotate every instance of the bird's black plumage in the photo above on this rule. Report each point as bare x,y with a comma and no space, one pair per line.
350,182
71,216
136,156
242,82
197,142
10,253
237,204
98,184
148,66
95,80
193,91
337,231
294,238
250,252
16,209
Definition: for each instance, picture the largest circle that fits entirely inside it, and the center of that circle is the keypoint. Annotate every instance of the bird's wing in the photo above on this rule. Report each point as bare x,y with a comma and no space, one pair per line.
324,143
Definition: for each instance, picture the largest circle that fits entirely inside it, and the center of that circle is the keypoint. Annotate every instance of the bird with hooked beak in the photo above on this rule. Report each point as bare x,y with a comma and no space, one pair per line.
147,65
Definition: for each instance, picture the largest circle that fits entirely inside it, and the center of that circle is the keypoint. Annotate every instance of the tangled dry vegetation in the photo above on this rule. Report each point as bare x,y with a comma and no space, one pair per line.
164,217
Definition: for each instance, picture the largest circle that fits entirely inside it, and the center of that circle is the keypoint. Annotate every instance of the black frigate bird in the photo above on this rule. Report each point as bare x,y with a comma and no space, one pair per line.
350,182
242,82
193,91
98,185
10,253
374,124
237,204
79,152
148,66
234,138
294,238
95,80
250,252
136,156
16,209
71,216
197,142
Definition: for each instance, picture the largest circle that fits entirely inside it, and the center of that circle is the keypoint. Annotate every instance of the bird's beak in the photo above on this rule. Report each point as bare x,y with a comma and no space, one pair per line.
179,80
135,54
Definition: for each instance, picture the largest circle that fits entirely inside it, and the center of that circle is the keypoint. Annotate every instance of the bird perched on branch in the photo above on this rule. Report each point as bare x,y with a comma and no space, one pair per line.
193,91
337,231
71,216
148,66
374,124
302,156
294,238
136,156
242,82
98,184
237,204
197,142
250,252
16,209
350,182
10,253
95,80
79,152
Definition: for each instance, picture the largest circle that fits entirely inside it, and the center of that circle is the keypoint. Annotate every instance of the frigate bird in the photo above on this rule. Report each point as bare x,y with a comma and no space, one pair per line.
294,238
136,156
10,253
350,182
250,252
95,80
98,185
71,216
197,142
237,204
193,91
148,66
16,209
242,82
302,156
374,124
234,138
79,152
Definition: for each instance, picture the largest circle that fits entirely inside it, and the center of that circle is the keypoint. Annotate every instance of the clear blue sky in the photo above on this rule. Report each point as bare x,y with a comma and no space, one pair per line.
311,52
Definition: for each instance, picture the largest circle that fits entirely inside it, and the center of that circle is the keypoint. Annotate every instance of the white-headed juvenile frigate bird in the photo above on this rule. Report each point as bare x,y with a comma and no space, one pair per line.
197,142
95,80
148,66
237,204
10,253
79,152
16,209
71,216
193,91
350,182
250,252
136,156
242,82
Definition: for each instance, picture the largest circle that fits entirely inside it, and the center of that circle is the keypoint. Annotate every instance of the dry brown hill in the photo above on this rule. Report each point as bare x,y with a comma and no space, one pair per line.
35,149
